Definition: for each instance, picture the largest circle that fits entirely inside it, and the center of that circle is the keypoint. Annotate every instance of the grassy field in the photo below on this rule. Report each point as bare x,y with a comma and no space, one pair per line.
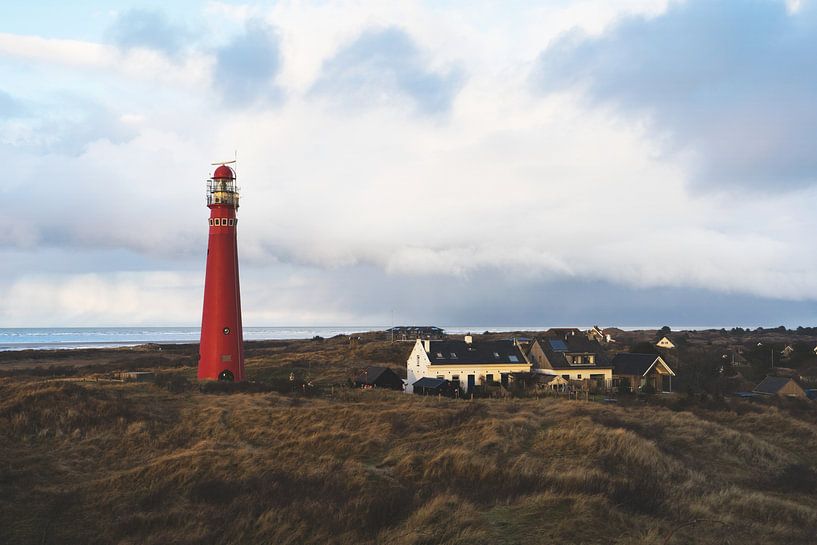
102,462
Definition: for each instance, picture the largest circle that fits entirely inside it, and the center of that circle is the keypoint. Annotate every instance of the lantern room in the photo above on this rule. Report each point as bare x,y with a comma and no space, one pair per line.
221,188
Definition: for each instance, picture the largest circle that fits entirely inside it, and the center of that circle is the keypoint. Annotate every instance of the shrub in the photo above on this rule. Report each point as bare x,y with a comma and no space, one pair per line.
172,382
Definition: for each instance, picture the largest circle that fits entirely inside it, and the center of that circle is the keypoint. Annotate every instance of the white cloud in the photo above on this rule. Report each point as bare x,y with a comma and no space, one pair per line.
506,190
138,64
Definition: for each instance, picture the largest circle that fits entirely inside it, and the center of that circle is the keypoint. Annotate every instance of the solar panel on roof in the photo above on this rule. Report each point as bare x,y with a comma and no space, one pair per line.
557,345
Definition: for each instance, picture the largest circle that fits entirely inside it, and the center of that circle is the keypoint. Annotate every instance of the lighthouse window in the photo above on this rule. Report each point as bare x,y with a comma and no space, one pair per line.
230,222
211,222
218,221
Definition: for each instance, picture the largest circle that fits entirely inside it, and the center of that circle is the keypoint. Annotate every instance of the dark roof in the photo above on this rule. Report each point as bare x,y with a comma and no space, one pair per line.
428,382
563,332
460,352
627,363
371,375
771,385
557,348
557,345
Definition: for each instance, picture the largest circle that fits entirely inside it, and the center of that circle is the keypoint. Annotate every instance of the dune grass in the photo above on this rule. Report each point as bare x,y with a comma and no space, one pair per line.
101,462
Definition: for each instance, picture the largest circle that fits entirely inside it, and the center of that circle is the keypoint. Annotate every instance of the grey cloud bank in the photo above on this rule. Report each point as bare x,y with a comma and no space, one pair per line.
382,65
728,85
246,66
150,29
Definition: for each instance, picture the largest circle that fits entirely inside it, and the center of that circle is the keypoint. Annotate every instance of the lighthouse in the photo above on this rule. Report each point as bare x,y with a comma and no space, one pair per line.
221,352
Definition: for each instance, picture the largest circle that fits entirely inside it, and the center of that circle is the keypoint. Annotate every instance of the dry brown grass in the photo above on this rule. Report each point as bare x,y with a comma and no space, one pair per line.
86,462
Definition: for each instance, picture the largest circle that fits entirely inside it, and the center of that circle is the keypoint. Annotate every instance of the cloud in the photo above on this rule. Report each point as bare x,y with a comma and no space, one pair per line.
63,60
366,296
383,65
517,208
9,106
67,125
148,29
727,87
246,67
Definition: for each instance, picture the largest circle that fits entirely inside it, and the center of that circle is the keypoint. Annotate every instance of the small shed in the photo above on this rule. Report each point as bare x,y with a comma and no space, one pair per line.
379,377
780,386
433,386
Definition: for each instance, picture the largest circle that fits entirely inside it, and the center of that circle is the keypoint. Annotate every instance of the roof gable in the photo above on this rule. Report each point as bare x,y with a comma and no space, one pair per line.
626,363
560,352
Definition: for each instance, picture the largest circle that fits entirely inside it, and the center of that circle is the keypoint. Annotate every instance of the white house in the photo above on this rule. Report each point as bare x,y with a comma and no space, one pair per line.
465,362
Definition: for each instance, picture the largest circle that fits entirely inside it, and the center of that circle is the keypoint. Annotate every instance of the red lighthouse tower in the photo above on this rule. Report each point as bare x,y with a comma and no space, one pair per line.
221,352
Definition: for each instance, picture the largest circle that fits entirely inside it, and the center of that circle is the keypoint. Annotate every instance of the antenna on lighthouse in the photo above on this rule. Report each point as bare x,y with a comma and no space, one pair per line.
235,160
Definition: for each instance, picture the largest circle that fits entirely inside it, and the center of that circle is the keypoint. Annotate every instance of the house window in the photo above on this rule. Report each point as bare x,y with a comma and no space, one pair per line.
455,377
566,377
440,355
453,356
440,377
513,359
592,359
489,377
579,376
496,355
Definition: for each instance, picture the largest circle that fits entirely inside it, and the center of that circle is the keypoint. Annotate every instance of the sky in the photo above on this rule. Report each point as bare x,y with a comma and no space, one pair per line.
485,163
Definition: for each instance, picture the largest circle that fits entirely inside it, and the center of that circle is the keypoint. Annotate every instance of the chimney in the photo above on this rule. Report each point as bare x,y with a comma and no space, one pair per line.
469,339
427,345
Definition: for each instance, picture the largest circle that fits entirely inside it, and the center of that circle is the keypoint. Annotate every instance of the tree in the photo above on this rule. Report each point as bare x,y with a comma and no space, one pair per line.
645,348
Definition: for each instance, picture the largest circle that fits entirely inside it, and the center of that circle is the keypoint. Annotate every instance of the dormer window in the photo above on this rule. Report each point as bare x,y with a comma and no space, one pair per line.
513,359
496,355
453,356
440,355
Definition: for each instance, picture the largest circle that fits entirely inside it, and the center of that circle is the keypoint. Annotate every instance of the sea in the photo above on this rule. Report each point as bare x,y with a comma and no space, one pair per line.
50,338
